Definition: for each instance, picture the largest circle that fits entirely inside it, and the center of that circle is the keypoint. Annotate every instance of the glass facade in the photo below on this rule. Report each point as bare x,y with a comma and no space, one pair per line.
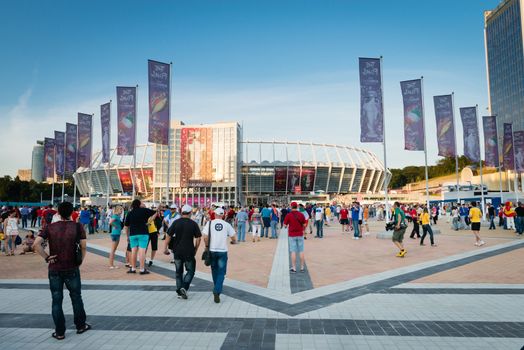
505,64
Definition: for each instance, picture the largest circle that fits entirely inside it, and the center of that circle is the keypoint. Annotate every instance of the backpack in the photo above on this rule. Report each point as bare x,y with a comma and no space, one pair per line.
48,217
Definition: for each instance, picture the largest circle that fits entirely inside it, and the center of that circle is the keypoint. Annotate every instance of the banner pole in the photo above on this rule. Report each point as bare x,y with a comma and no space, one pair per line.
515,173
456,153
384,143
134,146
54,174
74,191
63,181
169,133
109,160
482,204
425,142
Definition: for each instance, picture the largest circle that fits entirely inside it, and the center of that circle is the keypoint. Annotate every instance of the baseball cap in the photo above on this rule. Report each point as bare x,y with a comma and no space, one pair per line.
219,211
294,204
172,206
187,209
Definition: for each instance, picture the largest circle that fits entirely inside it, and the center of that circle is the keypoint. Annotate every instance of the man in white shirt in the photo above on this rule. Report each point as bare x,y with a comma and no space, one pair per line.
220,231
319,221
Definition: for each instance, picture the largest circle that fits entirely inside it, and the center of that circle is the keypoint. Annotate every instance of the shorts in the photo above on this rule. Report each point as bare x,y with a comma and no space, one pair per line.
115,238
475,226
296,244
139,241
344,221
153,238
398,235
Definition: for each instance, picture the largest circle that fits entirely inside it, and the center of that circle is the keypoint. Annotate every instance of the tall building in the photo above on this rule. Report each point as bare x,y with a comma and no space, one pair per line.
24,174
503,35
37,162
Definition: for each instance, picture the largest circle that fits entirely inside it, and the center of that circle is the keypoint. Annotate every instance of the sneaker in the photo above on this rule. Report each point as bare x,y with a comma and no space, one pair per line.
131,271
183,293
477,244
216,297
150,263
357,238
481,243
422,244
145,272
292,270
433,245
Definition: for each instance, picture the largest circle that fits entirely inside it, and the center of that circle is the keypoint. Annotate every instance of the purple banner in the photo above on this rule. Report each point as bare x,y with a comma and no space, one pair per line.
413,115
126,111
49,157
518,146
371,107
507,149
85,129
445,125
70,148
471,133
491,143
59,153
105,121
159,86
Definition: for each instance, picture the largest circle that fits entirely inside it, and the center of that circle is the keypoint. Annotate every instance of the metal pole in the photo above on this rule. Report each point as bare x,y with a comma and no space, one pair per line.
63,181
384,143
134,146
456,153
482,204
54,174
109,160
74,191
425,147
500,180
169,132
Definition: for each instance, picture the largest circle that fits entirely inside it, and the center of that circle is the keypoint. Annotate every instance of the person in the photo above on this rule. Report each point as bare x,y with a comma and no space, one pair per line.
34,216
475,215
11,232
62,237
153,226
509,215
344,219
416,226
84,218
256,224
519,219
399,220
464,216
296,223
501,215
426,228
434,214
186,235
27,244
266,220
135,226
274,216
24,213
47,215
456,219
319,221
307,217
218,231
115,224
241,222
355,212
366,219
491,214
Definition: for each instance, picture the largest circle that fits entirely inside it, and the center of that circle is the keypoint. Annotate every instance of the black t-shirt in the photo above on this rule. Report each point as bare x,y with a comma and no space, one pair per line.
519,211
136,219
491,211
182,233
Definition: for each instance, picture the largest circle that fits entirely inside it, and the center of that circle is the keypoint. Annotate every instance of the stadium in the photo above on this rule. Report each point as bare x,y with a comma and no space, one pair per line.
213,164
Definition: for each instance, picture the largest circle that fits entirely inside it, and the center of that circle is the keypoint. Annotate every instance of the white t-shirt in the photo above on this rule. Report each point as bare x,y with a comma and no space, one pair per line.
319,213
220,231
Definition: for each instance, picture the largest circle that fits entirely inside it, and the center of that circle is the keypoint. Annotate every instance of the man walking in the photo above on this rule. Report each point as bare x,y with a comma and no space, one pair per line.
185,234
491,214
218,231
355,212
24,212
475,215
63,268
519,219
274,221
399,219
295,221
241,221
319,221
266,220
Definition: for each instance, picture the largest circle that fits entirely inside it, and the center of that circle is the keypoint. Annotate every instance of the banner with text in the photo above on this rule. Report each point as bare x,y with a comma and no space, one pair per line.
159,86
371,107
126,112
471,133
85,130
59,153
413,115
49,157
70,148
518,145
491,143
507,153
445,125
105,121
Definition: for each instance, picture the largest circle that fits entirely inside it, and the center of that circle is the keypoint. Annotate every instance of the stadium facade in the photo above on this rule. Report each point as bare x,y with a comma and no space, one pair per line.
213,164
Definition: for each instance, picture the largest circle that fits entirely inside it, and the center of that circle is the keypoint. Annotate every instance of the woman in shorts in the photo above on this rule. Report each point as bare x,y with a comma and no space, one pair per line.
11,232
116,230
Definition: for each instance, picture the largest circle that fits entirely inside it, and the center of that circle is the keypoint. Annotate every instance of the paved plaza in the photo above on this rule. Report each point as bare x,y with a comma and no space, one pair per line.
354,294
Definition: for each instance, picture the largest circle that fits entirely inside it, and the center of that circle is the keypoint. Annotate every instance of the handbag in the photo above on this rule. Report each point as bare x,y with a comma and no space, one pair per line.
206,255
18,240
78,248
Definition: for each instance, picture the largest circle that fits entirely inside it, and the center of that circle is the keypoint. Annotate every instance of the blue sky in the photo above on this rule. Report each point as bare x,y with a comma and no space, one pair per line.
286,69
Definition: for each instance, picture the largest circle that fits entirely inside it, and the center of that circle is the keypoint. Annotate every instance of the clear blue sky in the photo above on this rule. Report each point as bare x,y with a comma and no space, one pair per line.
286,69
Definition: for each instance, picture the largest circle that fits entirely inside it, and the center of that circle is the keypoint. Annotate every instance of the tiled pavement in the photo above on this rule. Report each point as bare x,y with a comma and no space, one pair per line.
398,307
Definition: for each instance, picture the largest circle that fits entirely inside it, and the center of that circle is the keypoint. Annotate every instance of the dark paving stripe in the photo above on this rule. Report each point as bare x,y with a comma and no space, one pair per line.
299,281
337,297
496,291
130,287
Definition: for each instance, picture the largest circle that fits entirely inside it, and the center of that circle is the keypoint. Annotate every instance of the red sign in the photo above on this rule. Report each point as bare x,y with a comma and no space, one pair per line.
125,180
298,190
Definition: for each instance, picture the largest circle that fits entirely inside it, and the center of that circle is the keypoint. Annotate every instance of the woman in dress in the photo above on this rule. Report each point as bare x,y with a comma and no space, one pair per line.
256,222
11,231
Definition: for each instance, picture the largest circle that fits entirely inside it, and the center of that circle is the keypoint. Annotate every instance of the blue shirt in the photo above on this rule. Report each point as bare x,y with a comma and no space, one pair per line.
354,213
463,211
84,217
24,211
242,216
266,213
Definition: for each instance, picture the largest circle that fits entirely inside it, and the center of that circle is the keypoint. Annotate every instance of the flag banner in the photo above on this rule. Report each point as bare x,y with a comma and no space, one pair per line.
413,115
59,153
49,157
445,125
85,130
371,107
491,143
280,179
507,147
471,133
126,111
105,121
70,148
518,146
159,86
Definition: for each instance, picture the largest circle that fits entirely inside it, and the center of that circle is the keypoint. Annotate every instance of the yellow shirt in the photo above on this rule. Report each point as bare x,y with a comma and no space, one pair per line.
425,218
475,214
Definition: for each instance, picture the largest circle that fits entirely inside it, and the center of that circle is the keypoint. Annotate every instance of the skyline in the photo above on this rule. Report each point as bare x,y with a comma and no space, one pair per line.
295,75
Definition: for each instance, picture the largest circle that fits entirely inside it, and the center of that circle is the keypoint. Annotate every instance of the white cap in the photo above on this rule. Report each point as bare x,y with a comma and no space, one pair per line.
219,211
173,206
187,209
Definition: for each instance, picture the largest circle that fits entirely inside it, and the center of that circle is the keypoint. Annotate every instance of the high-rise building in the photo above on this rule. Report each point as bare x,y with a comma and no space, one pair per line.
24,174
37,162
503,35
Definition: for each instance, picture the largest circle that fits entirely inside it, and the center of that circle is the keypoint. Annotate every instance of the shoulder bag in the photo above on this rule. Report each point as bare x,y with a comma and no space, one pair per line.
206,255
78,248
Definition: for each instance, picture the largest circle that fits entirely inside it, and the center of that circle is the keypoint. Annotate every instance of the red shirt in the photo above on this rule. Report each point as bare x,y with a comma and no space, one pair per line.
344,213
295,221
74,216
211,215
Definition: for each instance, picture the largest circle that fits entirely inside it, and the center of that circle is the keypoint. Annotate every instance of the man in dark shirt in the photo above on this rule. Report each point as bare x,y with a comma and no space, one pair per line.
185,234
63,236
491,214
519,219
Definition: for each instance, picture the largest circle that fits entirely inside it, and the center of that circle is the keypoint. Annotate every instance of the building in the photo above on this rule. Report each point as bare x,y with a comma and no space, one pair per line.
210,163
37,162
24,174
503,35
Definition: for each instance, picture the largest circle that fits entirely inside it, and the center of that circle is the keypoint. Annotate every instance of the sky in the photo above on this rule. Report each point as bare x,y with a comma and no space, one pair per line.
285,69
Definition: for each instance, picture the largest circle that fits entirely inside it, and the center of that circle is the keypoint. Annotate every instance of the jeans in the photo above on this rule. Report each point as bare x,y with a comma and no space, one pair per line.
519,223
184,281
241,231
218,270
427,229
492,222
265,227
416,230
39,221
356,228
274,224
24,221
320,228
71,279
